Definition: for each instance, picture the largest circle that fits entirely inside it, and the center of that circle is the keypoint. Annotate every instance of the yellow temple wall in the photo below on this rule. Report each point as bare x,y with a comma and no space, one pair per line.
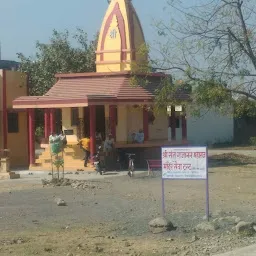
1,100
16,85
18,143
130,120
66,125
159,129
1,89
122,126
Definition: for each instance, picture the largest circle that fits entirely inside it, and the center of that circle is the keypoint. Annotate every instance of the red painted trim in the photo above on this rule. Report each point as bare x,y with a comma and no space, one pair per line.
145,124
28,137
112,62
52,121
184,128
28,149
173,123
12,110
31,127
109,74
46,123
114,51
113,119
4,107
92,110
121,26
44,104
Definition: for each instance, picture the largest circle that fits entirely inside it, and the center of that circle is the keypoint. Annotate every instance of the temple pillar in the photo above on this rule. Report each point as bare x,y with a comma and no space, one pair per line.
173,123
52,121
145,124
184,128
92,110
46,123
112,120
31,130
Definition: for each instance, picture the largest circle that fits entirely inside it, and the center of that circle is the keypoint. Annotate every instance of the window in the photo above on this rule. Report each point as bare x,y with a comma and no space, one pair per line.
74,116
13,122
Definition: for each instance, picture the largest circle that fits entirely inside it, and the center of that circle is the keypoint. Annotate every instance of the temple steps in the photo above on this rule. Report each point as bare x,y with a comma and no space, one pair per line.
72,155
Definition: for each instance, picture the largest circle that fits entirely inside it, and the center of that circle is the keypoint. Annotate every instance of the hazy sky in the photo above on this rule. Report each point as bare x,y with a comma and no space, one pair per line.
23,22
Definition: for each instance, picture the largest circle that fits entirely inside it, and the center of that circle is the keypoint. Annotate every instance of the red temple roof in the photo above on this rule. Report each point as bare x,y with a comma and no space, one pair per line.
83,89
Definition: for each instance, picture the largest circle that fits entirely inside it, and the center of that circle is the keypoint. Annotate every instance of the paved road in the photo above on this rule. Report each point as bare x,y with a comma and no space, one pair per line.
247,251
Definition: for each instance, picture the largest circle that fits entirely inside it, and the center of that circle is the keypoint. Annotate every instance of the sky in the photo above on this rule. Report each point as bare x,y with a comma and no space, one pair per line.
23,22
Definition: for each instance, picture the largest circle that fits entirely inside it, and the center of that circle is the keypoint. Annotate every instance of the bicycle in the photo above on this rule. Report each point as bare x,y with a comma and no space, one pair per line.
131,164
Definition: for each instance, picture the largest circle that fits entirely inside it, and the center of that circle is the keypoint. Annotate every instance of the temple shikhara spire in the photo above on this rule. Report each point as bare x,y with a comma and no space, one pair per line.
121,38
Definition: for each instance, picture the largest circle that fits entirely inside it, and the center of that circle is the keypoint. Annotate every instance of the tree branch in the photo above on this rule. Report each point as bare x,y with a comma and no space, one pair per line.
245,32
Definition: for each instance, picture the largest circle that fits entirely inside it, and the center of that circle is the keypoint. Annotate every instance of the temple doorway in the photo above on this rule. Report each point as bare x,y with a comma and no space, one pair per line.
100,121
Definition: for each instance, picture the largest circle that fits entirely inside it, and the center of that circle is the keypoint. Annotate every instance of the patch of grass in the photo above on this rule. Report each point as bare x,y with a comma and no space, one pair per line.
230,159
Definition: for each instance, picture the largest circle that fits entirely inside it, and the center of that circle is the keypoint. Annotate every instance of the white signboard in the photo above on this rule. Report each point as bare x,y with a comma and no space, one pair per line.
184,163
178,108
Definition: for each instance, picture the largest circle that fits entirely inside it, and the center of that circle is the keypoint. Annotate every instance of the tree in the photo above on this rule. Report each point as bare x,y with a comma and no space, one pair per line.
58,56
212,48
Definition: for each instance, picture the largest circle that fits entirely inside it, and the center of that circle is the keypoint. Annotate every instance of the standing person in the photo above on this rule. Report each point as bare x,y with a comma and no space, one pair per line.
98,139
85,145
109,151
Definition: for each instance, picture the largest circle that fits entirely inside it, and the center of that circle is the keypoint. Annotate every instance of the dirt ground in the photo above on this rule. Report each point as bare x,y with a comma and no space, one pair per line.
110,216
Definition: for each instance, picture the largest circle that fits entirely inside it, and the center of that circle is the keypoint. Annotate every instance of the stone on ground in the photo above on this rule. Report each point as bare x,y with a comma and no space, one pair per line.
245,227
160,225
60,202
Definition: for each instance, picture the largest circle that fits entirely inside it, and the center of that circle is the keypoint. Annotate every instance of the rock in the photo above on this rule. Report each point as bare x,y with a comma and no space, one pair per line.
194,238
206,226
160,225
60,202
245,228
237,220
45,182
98,249
70,254
205,217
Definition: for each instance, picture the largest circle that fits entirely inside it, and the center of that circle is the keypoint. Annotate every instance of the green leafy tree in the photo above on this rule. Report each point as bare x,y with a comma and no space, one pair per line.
212,47
63,54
